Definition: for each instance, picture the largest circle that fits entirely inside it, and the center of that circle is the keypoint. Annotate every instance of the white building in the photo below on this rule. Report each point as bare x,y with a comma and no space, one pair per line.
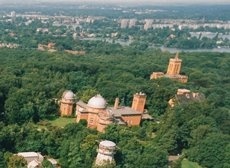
106,153
132,23
148,24
35,159
124,23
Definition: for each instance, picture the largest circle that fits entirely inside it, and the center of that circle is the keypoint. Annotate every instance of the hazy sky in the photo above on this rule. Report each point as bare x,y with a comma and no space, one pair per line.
124,1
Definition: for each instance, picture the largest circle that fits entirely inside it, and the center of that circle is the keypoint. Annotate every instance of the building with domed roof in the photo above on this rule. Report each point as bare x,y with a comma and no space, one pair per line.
98,115
67,103
90,111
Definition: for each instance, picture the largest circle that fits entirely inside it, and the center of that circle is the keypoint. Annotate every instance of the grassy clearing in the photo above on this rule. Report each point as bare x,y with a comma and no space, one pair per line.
57,122
62,121
187,164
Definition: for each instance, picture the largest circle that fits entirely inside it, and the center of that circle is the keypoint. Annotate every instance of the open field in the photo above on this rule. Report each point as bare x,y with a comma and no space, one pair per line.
188,164
60,122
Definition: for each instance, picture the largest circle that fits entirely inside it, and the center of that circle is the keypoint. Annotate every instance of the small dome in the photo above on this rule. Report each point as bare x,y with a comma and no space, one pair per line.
68,95
97,102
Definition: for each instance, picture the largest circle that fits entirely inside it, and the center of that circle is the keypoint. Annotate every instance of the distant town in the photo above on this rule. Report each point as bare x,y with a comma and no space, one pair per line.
129,26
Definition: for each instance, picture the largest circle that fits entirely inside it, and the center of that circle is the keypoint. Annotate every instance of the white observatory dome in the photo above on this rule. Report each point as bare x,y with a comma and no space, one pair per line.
97,102
68,95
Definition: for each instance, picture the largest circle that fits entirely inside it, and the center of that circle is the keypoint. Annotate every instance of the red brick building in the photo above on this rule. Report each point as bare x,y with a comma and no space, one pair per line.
173,71
99,116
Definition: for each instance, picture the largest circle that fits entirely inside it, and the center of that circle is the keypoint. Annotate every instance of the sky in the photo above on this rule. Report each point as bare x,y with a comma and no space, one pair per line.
126,1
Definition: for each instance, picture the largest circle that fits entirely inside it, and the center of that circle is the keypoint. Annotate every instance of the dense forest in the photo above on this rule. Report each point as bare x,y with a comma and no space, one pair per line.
31,81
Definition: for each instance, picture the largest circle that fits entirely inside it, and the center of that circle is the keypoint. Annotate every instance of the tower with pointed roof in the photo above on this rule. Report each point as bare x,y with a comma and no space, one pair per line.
173,71
174,66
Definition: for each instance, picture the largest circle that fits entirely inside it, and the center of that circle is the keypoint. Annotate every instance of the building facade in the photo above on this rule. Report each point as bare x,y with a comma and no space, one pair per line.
148,24
124,23
98,115
173,71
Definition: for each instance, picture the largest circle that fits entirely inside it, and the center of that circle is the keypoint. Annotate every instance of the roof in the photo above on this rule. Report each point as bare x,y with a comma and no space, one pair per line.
107,143
146,116
182,91
97,102
120,111
31,155
68,95
158,73
82,104
28,154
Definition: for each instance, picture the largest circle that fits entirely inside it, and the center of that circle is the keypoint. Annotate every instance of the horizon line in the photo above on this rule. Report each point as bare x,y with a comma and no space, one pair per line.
116,3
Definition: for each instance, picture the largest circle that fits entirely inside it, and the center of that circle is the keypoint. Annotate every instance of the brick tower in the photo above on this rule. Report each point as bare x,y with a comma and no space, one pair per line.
139,100
174,66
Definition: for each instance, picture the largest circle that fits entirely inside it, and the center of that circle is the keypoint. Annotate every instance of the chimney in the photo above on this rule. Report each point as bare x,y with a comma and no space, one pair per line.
139,100
116,104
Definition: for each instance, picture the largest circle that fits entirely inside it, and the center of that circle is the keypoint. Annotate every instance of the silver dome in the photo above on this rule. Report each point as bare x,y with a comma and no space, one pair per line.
97,102
68,95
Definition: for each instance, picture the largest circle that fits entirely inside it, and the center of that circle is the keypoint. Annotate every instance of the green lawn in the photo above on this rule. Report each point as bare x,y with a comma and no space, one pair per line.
57,122
187,164
61,121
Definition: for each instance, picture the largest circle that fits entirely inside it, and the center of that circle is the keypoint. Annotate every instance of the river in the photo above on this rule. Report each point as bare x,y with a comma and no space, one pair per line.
174,50
171,50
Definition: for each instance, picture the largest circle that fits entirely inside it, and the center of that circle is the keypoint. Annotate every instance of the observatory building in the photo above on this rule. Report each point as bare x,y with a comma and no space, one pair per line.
67,103
99,116
106,153
173,71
